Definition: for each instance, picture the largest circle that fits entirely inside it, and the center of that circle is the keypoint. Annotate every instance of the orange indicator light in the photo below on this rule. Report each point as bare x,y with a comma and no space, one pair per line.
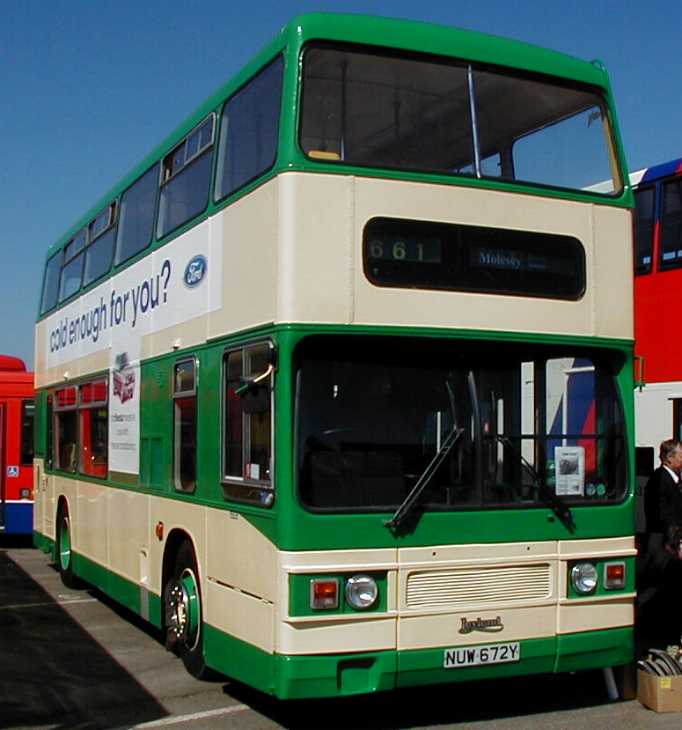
615,576
324,594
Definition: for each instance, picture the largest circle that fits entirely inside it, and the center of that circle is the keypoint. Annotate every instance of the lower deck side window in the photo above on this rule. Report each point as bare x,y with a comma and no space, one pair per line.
185,426
94,429
247,448
81,429
66,434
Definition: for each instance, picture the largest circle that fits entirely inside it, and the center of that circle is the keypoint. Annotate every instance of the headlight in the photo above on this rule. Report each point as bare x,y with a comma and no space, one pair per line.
584,577
361,591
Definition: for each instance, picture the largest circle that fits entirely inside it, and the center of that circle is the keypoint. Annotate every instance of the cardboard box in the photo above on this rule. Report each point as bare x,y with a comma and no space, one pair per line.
661,694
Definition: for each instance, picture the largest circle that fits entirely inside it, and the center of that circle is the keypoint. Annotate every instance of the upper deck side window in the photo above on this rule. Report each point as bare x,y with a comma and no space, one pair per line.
185,178
100,249
51,278
136,216
671,224
72,268
85,258
381,109
645,217
249,130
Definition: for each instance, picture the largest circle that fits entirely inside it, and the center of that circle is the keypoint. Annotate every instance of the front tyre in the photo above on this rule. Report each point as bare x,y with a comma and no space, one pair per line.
63,549
183,613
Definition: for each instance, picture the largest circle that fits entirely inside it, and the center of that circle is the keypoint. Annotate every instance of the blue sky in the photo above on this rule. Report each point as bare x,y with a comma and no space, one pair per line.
90,87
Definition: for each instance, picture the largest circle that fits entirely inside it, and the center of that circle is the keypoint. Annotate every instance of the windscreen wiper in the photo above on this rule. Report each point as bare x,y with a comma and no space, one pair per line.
545,494
405,508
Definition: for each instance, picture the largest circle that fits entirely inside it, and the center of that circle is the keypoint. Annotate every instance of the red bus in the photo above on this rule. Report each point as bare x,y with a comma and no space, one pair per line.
658,294
16,446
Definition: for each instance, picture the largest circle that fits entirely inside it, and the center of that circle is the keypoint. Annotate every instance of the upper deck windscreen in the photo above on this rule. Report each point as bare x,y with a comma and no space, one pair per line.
420,113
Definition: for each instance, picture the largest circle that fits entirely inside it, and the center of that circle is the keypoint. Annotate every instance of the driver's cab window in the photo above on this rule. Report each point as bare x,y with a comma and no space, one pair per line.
506,400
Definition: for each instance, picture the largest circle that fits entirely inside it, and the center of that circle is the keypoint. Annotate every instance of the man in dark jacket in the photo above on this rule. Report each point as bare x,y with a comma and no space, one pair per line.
670,496
663,512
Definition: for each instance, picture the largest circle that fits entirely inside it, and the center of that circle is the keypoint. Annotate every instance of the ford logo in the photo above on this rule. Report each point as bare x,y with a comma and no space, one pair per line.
195,271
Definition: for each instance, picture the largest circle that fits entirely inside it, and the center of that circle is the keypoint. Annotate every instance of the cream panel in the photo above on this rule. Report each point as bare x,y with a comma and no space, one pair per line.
374,305
40,355
588,615
48,495
68,488
90,531
442,556
316,255
186,334
614,546
130,533
95,363
563,579
326,560
613,257
249,260
176,514
422,632
392,589
39,496
240,556
337,635
244,617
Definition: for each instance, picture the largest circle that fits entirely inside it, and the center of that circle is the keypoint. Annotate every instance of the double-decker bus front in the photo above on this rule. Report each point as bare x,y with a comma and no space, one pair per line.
367,419
456,359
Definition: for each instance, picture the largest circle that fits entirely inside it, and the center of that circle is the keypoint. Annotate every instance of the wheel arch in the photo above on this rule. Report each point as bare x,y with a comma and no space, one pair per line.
62,505
176,537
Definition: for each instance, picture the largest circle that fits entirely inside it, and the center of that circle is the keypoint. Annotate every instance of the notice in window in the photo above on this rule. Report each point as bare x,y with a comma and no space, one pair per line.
570,471
124,414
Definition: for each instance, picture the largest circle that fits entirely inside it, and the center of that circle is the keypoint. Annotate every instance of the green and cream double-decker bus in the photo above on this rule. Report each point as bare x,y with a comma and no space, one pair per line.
336,388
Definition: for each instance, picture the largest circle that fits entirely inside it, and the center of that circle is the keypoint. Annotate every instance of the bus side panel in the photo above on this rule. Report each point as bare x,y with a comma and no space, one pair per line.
654,407
129,534
247,232
39,495
90,524
241,588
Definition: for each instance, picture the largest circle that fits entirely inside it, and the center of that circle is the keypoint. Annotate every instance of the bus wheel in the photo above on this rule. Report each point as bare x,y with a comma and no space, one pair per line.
182,613
64,554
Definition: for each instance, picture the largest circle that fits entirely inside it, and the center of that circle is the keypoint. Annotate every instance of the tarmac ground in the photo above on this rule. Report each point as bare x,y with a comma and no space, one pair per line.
75,659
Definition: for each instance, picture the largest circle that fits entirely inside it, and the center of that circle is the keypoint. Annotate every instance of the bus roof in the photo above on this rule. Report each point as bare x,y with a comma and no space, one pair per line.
11,364
657,172
407,35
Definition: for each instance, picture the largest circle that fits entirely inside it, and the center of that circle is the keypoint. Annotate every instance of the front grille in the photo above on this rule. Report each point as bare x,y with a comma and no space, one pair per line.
494,585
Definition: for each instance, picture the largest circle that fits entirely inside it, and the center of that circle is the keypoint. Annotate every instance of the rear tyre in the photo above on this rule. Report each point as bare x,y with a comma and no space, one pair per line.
63,550
183,613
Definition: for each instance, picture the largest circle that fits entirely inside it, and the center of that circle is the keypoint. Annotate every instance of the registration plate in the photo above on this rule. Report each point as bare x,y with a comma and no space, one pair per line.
474,656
